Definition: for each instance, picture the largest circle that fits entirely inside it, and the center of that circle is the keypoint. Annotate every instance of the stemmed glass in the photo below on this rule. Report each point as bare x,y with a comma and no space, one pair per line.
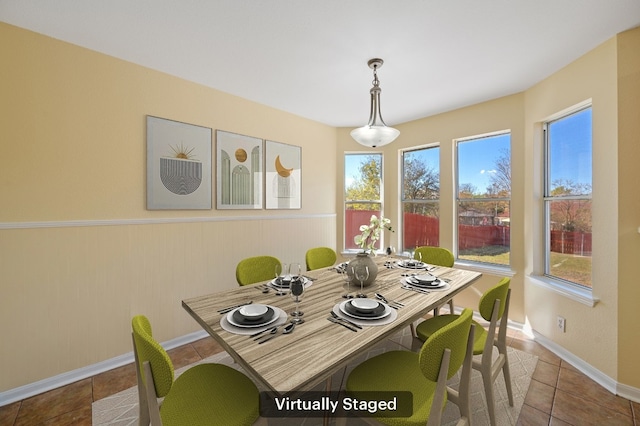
361,272
391,252
281,271
347,279
296,290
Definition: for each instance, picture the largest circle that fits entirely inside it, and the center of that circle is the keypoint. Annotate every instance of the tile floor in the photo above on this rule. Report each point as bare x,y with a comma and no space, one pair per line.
559,394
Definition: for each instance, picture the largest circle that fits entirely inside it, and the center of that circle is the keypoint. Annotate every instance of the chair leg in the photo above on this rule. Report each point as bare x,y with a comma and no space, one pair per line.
488,393
507,378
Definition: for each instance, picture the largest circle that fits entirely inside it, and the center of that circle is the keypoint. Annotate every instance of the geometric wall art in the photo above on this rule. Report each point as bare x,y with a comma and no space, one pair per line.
283,171
239,171
178,165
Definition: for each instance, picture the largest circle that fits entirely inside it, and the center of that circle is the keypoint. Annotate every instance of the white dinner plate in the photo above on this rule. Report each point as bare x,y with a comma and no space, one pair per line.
426,278
281,318
232,321
425,286
386,313
413,265
277,286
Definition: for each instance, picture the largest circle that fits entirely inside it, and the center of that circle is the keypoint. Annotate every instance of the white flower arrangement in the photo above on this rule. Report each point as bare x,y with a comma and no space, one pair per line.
371,233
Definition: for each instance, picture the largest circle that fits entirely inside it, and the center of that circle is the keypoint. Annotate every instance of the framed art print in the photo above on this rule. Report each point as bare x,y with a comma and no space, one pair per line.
283,173
239,171
178,165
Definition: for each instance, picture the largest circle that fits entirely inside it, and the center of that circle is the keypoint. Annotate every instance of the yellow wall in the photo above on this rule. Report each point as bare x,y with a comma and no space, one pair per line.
591,332
79,252
628,207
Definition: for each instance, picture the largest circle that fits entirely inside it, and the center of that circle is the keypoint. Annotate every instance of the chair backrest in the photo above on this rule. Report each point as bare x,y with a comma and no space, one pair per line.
454,337
147,349
487,301
320,257
435,256
255,269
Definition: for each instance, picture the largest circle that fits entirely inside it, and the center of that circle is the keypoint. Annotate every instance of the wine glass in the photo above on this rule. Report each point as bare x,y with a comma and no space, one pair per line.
281,272
361,272
296,289
418,256
391,252
347,279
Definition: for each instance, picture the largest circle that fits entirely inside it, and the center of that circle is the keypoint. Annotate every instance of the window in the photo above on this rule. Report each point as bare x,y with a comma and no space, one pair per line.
567,197
363,194
483,198
420,198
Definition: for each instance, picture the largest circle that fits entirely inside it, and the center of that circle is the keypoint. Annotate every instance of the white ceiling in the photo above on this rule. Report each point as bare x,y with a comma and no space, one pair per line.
310,57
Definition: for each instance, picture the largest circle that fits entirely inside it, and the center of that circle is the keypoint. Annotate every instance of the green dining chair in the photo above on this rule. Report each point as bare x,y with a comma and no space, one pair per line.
435,256
424,374
256,269
207,394
493,307
438,256
320,257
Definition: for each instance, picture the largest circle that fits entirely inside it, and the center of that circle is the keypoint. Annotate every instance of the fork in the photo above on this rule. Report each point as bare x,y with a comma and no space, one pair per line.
417,290
392,303
335,321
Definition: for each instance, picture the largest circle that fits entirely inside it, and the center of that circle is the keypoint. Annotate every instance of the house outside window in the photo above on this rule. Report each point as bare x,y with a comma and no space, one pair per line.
420,197
362,194
567,197
483,198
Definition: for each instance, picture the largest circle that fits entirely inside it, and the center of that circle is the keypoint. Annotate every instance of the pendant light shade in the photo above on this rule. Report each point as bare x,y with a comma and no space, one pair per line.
376,133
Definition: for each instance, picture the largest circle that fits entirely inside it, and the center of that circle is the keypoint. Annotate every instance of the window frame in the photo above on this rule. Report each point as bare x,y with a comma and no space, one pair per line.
561,284
403,200
379,202
502,268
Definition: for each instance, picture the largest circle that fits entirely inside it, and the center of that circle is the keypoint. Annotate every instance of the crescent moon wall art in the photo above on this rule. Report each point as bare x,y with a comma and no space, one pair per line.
178,165
239,171
283,173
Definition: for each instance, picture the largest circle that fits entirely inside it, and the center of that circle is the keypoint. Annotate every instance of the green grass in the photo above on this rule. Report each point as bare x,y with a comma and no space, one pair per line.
576,269
572,268
490,254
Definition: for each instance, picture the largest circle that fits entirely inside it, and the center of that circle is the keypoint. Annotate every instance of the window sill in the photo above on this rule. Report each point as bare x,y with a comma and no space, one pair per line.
504,271
583,296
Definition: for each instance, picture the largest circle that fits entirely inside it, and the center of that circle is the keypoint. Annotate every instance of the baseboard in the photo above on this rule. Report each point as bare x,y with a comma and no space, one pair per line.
629,392
593,373
27,391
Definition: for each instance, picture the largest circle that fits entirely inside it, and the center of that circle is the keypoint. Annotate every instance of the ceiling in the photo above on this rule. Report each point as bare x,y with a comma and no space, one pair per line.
310,57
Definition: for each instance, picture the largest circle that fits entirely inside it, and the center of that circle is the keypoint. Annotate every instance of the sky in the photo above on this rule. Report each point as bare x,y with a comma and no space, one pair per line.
570,141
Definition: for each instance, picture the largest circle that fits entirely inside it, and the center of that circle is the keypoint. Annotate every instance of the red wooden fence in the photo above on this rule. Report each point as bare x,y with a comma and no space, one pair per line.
424,231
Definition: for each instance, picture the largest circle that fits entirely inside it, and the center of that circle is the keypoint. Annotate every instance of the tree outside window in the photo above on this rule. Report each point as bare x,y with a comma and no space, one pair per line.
363,194
484,198
567,198
421,197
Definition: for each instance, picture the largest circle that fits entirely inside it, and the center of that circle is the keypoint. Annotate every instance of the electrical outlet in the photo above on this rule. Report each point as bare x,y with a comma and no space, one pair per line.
561,324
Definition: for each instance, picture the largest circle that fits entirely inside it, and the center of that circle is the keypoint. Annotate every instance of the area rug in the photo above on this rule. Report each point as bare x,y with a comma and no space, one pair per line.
121,409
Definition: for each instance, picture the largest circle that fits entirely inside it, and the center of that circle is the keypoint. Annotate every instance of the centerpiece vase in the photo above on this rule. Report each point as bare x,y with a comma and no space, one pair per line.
364,258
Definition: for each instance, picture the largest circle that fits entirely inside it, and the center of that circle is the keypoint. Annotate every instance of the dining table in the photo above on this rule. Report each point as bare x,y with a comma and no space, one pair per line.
317,348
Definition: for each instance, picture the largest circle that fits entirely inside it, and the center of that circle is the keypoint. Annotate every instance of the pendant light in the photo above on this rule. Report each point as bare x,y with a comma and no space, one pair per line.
376,133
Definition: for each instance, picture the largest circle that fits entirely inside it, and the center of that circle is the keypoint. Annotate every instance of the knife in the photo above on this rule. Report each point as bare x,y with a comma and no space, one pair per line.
231,308
333,320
